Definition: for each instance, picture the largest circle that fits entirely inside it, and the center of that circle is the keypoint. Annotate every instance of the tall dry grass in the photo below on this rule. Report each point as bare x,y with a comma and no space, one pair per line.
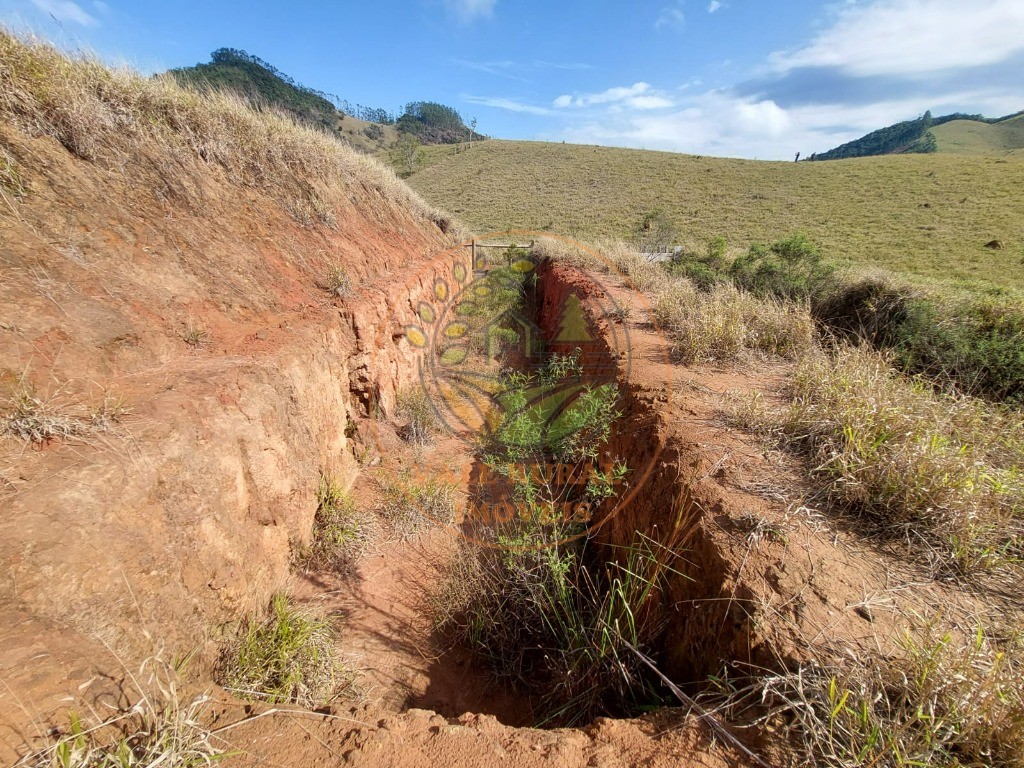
120,119
725,322
939,700
945,472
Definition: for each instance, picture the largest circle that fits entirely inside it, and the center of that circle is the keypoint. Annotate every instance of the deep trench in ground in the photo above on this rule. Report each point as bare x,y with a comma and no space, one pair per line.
692,629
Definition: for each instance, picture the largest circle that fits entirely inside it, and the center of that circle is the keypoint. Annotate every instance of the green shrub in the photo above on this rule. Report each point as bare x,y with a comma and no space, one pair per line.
791,269
977,347
288,658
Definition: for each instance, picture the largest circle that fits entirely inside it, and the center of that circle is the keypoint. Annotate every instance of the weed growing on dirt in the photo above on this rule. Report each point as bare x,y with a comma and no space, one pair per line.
545,614
341,533
417,410
411,504
286,658
945,472
940,701
37,420
161,729
195,336
337,282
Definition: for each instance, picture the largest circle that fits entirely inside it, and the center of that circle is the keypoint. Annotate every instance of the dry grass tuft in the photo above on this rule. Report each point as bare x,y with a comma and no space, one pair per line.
725,322
643,275
417,411
36,419
159,730
337,281
941,701
410,505
945,472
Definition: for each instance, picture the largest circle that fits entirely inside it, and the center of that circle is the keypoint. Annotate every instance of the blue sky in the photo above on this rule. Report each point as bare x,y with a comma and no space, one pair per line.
738,78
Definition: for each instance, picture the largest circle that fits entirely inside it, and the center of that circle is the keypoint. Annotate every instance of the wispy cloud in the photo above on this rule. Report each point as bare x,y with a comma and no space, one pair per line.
508,68
467,11
714,5
574,66
66,10
508,104
671,17
638,96
913,37
496,68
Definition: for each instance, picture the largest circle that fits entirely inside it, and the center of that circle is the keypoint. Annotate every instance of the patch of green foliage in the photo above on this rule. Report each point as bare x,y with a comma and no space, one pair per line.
287,658
973,345
545,615
543,607
909,136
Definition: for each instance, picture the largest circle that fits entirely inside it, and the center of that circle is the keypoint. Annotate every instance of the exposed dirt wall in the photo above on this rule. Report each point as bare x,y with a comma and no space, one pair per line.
178,513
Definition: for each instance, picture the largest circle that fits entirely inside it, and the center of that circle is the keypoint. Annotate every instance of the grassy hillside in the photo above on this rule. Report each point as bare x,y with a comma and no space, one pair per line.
925,216
970,137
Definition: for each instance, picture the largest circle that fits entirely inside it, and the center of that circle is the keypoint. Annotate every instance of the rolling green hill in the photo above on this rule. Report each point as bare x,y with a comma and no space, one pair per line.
969,134
970,137
925,216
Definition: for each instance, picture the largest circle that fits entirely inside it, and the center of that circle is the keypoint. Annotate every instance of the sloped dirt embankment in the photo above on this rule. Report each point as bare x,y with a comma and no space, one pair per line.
210,380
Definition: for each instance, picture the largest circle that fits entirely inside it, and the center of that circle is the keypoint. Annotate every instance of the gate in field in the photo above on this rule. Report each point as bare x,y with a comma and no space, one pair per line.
487,256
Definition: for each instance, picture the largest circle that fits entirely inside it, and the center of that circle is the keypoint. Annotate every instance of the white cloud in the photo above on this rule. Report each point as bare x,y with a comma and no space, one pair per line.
638,96
722,124
511,105
913,37
671,17
890,60
470,10
65,10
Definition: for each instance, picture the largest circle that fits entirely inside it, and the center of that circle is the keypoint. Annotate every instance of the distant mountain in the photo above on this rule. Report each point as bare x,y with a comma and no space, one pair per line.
928,134
369,128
